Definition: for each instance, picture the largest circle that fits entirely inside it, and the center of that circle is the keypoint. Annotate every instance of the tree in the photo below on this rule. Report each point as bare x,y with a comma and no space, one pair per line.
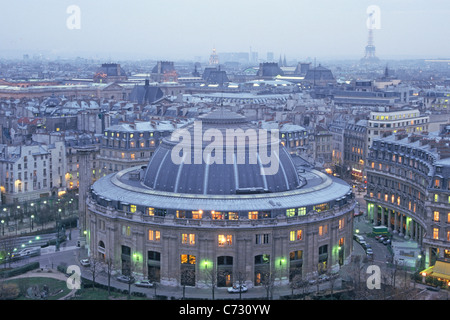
210,278
108,268
94,267
268,281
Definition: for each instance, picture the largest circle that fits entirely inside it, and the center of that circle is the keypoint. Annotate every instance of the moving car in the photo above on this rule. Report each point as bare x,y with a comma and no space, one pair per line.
237,288
126,279
144,284
85,262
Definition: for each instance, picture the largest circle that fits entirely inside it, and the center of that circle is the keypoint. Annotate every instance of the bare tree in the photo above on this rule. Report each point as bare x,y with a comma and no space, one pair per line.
210,278
108,268
130,268
268,281
241,277
187,277
95,266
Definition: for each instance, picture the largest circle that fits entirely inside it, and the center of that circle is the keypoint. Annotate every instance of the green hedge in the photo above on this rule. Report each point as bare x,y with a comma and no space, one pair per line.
20,270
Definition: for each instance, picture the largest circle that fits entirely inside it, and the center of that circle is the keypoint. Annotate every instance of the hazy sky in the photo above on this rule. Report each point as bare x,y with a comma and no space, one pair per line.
177,29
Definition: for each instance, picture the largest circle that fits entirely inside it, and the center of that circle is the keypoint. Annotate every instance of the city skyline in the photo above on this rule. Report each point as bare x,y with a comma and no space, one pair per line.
190,29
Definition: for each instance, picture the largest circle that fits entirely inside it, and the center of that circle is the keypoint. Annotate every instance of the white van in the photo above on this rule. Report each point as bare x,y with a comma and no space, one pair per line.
359,239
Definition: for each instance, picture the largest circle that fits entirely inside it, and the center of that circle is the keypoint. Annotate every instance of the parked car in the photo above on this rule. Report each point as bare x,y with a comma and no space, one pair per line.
126,279
85,262
144,284
237,288
369,251
387,241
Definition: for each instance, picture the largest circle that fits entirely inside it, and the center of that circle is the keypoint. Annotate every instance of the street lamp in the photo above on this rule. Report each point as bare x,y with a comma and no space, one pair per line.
3,227
32,218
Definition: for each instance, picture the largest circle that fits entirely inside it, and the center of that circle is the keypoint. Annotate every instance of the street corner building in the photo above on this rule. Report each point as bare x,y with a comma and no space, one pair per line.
206,223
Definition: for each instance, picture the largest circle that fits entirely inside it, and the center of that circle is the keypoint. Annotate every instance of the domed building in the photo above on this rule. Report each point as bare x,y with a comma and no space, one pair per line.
219,210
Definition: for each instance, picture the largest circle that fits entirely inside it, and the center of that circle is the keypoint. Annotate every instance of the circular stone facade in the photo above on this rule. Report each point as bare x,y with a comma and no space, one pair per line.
220,229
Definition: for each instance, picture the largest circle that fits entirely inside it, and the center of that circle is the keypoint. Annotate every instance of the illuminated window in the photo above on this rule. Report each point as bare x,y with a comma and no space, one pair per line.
133,156
398,201
296,255
341,223
181,214
435,233
197,214
123,155
233,216
132,208
188,238
253,215
321,207
436,197
142,144
290,212
323,230
341,242
437,183
216,215
302,211
154,235
225,239
132,144
187,259
151,211
448,217
436,216
386,197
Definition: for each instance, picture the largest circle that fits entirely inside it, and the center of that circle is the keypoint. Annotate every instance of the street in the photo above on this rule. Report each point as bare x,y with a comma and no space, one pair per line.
70,254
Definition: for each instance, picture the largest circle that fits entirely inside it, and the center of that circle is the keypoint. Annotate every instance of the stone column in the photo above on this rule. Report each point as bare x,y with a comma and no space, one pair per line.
388,224
395,222
85,180
401,225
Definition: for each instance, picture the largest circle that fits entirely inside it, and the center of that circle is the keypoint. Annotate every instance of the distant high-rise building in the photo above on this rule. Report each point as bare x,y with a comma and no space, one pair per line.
270,57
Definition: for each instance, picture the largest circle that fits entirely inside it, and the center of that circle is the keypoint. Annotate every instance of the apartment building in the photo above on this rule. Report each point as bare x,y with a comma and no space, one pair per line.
32,171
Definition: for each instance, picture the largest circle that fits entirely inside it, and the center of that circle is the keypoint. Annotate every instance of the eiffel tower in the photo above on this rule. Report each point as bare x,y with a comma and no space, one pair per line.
370,57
